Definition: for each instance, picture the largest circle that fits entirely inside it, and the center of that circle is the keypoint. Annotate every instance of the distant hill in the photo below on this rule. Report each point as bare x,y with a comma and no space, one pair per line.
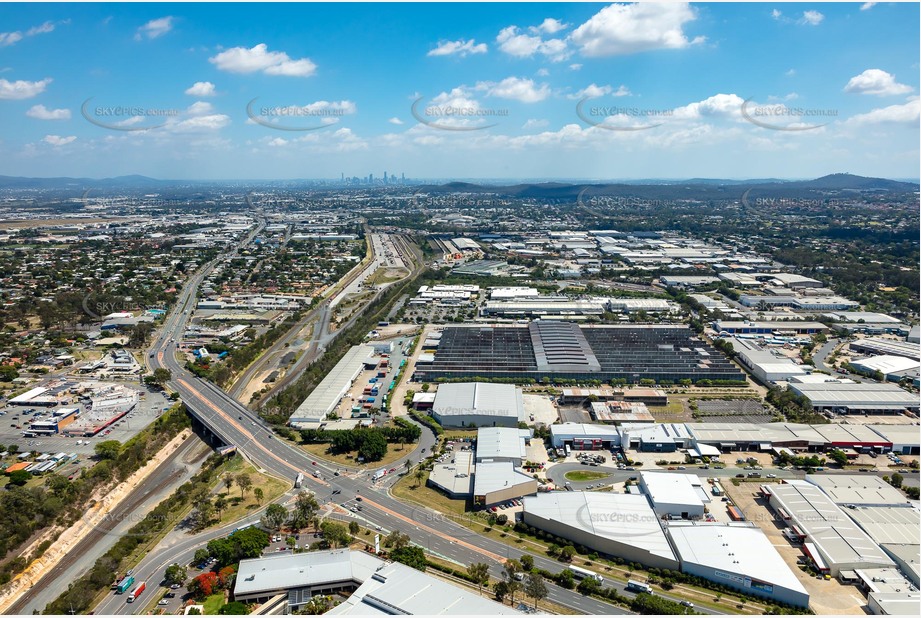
63,182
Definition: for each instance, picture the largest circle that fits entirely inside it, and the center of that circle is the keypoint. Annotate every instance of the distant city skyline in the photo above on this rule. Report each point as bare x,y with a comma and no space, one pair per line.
463,91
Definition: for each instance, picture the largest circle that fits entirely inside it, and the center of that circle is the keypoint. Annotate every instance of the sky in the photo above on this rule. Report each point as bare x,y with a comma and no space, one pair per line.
467,91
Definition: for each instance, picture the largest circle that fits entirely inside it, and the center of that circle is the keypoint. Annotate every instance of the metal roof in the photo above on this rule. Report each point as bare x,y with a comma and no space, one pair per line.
479,398
325,397
669,488
497,475
889,524
858,489
739,548
858,394
499,442
286,571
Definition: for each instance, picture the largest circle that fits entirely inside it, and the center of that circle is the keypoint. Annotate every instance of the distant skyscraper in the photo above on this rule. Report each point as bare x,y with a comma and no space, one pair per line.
385,177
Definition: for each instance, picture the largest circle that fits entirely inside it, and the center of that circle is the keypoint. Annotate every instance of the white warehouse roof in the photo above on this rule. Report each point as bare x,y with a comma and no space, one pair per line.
501,442
479,398
671,488
325,397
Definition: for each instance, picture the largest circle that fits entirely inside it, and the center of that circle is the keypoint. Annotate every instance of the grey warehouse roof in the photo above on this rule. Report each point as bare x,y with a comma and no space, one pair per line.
478,398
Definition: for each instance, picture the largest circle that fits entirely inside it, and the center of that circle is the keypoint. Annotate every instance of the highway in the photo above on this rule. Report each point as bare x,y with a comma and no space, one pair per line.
235,424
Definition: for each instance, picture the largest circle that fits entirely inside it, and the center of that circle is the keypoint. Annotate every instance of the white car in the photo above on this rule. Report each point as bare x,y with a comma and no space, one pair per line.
772,476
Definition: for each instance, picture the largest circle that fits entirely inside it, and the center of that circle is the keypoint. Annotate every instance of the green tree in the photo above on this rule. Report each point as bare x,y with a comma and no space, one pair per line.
335,534
397,540
246,543
305,510
535,588
567,553
479,573
501,590
229,481
201,555
420,474
19,477
566,579
275,516
354,528
220,503
410,555
176,574
527,563
588,585
259,495
896,480
245,482
373,447
108,449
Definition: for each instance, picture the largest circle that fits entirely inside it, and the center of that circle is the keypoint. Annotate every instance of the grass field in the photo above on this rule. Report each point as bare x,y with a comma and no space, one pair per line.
394,452
213,603
405,489
579,476
239,506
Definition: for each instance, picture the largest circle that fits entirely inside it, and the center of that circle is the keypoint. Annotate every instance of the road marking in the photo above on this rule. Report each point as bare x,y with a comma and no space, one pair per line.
418,525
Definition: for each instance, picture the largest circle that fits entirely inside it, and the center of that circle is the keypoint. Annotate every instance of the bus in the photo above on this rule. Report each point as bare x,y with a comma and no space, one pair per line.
581,573
241,528
636,586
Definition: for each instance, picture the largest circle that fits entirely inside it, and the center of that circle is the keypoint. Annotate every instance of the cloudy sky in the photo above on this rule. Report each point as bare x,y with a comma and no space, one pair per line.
595,91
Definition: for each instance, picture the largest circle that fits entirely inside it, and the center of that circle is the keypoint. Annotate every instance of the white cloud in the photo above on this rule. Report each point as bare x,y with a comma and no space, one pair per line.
460,48
395,120
516,43
201,89
866,6
278,141
592,91
11,38
776,14
258,58
790,72
57,140
43,113
575,67
516,88
542,72
22,89
155,28
549,26
630,28
535,123
199,108
907,113
876,81
719,105
812,18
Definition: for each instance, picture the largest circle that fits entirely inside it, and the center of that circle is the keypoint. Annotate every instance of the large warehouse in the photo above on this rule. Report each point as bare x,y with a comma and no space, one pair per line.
478,404
678,495
557,349
833,541
859,489
859,398
622,525
326,396
584,436
738,555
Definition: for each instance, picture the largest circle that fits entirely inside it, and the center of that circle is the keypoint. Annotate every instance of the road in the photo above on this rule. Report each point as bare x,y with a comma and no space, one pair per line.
235,424
178,468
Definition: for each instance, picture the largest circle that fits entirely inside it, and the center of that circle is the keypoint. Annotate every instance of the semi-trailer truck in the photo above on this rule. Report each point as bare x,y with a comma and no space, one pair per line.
124,584
137,592
583,573
636,586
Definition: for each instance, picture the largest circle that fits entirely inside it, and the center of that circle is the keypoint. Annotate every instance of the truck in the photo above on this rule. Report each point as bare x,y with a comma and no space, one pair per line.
383,323
299,481
581,573
636,586
124,584
137,592
382,374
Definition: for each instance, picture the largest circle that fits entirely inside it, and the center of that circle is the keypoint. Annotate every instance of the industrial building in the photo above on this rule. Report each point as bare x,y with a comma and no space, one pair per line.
831,539
622,525
502,444
675,495
860,398
547,349
878,346
584,436
374,586
765,365
737,555
499,481
455,478
326,396
900,439
620,412
656,438
649,396
58,420
893,368
478,404
858,489
776,327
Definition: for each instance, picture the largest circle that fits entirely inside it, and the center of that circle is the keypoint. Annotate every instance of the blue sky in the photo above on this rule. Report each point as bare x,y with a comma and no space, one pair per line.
554,90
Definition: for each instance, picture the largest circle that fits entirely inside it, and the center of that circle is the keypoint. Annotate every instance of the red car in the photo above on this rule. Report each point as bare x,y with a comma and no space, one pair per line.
314,463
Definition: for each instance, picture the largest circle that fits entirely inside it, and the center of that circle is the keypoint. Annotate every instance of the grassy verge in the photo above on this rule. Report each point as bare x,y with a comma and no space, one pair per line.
394,452
239,506
213,603
406,489
580,476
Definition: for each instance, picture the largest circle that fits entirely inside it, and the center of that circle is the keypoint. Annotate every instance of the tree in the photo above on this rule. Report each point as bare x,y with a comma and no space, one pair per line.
19,477
567,580
896,480
228,481
226,576
420,474
335,534
535,588
275,516
108,449
373,447
501,590
588,585
354,528
176,574
203,585
527,563
245,482
234,608
479,573
567,553
410,555
202,514
201,555
159,377
220,503
397,540
259,495
305,510
246,543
